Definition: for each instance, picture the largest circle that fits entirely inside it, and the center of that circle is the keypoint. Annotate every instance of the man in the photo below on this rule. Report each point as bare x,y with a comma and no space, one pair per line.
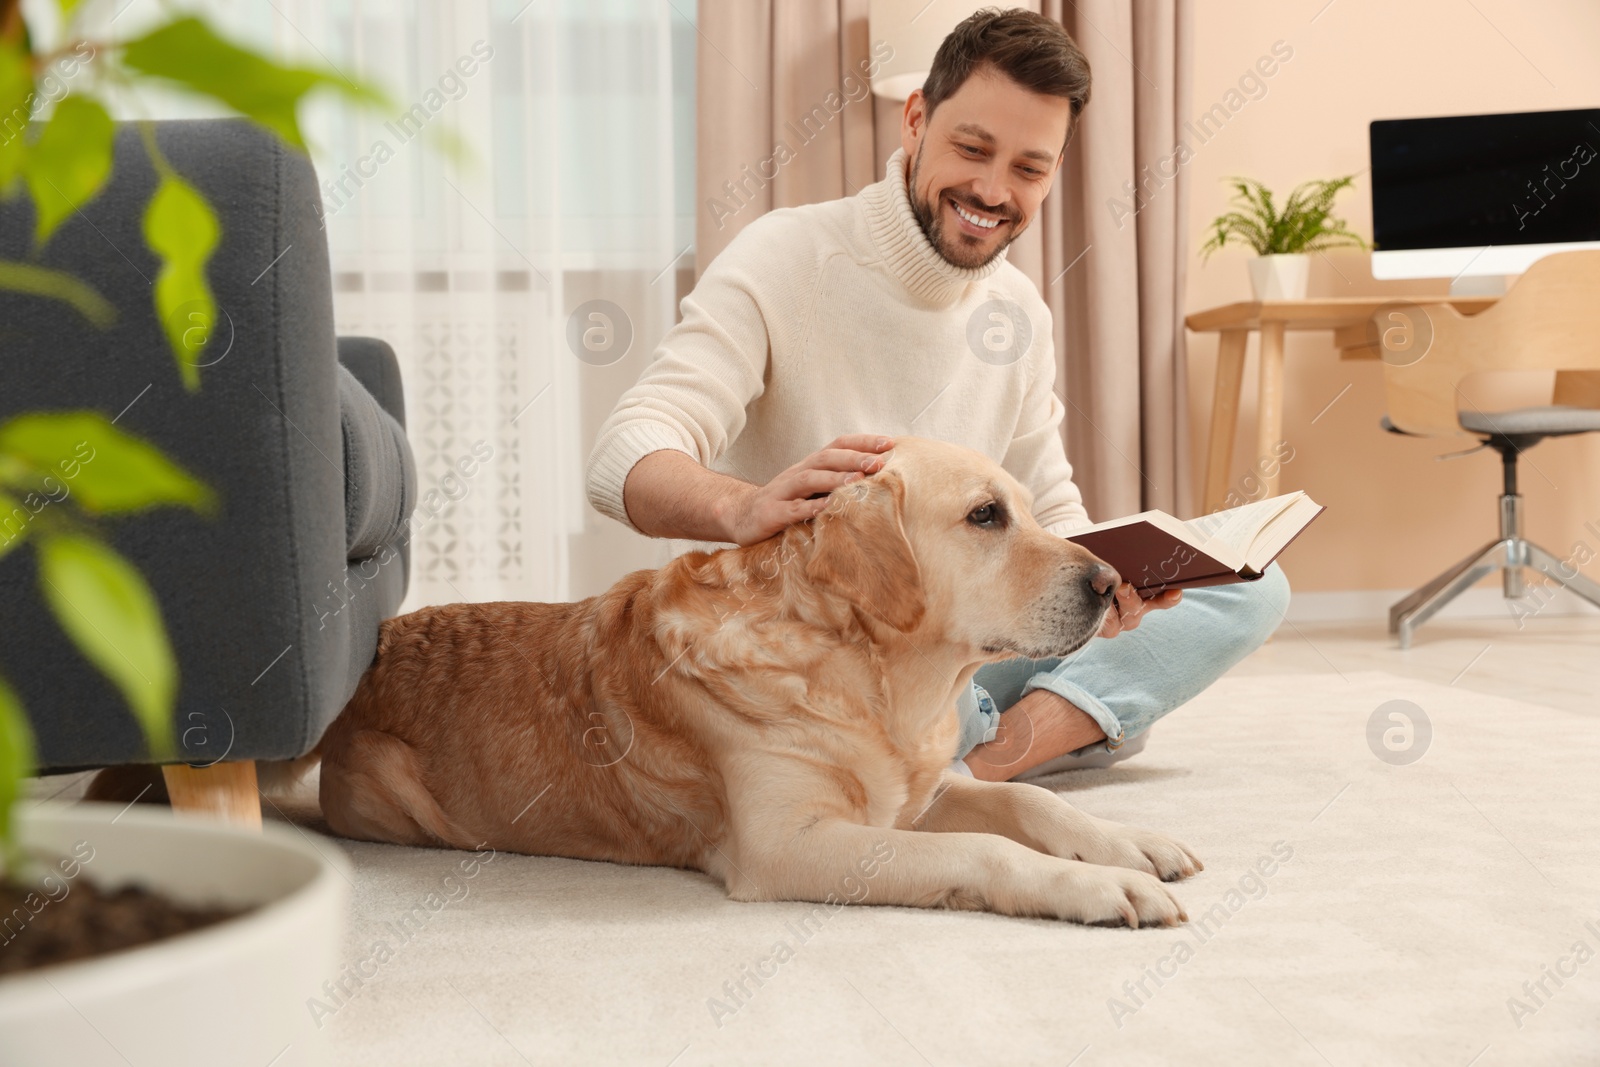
821,321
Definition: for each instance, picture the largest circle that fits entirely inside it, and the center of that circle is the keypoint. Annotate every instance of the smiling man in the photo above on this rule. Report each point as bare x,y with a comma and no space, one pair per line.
822,331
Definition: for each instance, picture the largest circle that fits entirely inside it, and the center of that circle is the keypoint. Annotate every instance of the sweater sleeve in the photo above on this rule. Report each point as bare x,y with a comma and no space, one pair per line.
1037,455
693,394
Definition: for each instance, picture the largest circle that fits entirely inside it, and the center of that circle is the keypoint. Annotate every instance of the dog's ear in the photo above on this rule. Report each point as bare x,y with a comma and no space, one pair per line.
860,551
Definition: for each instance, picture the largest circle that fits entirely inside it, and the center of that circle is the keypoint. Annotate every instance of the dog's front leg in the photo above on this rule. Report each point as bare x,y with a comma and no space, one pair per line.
833,861
1042,820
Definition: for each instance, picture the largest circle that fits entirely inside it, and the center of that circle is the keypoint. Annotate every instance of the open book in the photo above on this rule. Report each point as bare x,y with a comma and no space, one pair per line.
1156,552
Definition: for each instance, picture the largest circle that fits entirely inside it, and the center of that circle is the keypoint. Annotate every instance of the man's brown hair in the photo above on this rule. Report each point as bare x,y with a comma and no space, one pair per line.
1035,52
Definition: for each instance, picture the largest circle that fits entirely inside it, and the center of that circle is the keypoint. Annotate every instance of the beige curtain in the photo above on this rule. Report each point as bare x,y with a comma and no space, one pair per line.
783,115
1111,266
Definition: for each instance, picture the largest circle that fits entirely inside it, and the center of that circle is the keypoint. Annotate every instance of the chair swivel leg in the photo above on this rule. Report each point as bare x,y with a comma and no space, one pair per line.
1564,574
1508,555
1422,605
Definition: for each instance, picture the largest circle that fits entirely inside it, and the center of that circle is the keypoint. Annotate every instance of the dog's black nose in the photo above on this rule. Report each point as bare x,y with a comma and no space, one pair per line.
1104,580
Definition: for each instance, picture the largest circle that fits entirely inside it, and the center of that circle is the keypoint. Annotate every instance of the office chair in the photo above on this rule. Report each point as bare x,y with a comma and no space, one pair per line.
1548,320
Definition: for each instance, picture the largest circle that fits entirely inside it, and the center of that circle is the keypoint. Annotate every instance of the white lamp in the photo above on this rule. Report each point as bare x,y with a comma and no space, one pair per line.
913,30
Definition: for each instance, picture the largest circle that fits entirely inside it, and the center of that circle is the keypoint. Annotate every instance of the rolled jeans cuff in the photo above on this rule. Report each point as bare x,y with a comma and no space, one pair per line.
1089,704
978,717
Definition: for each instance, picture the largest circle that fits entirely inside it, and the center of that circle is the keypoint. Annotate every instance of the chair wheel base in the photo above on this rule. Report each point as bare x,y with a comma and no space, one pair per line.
1510,555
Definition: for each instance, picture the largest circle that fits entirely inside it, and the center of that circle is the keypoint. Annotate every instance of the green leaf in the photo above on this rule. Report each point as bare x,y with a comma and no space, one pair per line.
106,470
448,142
189,52
16,89
42,281
17,762
69,162
12,532
181,228
1265,196
103,603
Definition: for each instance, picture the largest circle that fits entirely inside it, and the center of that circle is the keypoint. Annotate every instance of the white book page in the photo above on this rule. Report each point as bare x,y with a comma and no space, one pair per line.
1280,530
1239,526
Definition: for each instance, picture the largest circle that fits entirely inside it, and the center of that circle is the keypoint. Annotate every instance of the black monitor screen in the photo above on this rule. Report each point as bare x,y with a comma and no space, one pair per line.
1474,180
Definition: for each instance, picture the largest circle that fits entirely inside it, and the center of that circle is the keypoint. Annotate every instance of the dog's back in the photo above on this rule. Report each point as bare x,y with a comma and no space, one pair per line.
512,724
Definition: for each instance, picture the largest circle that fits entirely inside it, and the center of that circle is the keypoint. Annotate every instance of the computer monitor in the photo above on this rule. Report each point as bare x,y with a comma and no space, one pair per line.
1483,195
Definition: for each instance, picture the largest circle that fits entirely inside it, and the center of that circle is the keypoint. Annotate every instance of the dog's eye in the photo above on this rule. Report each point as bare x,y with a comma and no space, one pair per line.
988,515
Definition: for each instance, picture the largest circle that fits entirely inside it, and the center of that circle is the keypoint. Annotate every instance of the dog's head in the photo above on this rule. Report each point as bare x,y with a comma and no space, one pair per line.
943,541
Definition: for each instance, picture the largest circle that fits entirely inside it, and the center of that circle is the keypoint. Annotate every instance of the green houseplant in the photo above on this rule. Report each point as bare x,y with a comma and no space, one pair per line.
1283,238
60,162
57,152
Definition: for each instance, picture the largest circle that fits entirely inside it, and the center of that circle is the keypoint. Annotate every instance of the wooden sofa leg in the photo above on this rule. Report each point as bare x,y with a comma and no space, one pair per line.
226,791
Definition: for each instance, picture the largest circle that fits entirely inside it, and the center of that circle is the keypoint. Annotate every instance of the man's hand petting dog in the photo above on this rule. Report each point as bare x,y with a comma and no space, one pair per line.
1129,608
757,512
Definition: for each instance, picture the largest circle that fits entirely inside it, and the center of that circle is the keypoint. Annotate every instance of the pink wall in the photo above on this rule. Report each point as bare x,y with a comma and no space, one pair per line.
1395,515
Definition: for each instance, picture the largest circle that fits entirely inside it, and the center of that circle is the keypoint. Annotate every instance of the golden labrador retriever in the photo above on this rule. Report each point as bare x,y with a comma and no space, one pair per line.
780,716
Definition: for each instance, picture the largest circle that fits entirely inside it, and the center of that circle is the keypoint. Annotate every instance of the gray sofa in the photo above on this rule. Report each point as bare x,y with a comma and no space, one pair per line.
273,605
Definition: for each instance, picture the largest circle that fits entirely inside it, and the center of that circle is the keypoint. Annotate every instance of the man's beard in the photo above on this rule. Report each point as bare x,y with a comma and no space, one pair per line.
954,248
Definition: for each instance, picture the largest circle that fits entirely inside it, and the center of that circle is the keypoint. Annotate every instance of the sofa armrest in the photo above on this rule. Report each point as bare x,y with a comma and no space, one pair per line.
373,363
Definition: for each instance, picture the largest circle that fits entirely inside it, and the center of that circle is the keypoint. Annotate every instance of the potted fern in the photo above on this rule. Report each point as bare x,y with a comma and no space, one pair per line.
1283,238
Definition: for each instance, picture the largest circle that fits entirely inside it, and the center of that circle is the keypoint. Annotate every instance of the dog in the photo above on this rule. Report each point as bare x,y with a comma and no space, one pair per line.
781,716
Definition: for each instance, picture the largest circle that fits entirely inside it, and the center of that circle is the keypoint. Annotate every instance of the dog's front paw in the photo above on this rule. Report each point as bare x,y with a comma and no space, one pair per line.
1112,896
1115,845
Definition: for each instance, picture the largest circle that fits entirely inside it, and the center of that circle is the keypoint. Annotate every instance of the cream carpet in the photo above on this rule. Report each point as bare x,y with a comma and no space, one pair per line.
1405,910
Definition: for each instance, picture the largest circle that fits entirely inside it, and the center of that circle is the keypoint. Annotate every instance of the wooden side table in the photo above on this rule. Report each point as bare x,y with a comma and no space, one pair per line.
1346,316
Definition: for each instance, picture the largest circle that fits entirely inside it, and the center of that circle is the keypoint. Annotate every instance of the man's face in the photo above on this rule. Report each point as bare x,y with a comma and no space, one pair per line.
990,151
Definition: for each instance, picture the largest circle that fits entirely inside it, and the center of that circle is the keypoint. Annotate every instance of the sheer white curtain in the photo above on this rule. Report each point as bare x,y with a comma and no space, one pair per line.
522,283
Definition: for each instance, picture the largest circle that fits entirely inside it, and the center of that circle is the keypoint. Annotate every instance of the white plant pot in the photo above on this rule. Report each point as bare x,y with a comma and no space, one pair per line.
1280,277
233,992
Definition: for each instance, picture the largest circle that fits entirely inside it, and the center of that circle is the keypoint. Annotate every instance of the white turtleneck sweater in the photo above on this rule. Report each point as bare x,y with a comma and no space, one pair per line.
841,318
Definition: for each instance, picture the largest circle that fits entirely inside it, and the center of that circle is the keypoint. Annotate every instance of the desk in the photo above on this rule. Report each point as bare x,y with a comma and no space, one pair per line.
1347,317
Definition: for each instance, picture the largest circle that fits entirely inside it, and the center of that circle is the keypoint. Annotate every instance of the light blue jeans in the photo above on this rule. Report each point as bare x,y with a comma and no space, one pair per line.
1125,683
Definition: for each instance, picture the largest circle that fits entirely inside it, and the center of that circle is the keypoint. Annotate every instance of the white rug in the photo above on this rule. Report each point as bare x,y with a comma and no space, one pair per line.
1415,902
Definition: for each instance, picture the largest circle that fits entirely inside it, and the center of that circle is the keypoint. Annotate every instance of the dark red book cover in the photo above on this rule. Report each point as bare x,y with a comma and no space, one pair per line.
1153,559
